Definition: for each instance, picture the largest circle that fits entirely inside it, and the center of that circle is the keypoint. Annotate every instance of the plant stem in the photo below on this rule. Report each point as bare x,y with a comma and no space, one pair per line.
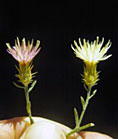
78,123
28,104
85,106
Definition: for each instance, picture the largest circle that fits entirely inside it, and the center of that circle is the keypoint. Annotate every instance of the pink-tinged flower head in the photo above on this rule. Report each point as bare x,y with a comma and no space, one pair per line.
24,53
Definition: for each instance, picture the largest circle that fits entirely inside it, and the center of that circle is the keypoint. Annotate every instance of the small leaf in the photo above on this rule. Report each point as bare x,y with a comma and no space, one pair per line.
76,117
82,101
32,86
94,92
85,87
18,85
86,126
17,68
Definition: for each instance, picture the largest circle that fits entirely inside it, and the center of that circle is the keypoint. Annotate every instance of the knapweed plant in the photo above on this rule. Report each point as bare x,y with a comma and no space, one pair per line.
24,54
91,54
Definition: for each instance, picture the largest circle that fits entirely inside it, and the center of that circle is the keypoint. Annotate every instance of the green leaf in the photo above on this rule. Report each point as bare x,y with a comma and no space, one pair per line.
86,126
82,101
85,87
76,117
94,92
18,85
32,86
17,68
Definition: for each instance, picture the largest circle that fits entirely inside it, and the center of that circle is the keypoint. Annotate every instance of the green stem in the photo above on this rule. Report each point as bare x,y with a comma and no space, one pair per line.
78,123
76,129
72,132
28,104
85,106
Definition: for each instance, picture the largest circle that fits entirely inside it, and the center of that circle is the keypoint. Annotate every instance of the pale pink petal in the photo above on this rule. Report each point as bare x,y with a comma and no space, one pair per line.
23,52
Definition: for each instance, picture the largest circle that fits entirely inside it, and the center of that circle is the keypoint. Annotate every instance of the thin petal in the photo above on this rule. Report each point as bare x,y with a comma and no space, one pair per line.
37,44
105,57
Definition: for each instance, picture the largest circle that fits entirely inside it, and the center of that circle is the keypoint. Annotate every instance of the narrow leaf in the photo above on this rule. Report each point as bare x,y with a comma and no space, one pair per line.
17,68
82,101
32,86
18,85
86,126
85,87
94,92
76,116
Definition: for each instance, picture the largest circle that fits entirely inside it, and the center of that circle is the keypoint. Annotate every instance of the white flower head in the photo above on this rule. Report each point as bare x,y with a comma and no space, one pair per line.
91,52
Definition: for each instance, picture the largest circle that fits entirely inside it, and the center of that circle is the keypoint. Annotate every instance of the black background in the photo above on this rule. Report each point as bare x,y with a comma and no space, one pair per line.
59,85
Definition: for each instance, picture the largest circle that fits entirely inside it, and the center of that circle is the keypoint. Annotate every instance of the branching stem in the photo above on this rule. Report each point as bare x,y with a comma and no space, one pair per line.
84,107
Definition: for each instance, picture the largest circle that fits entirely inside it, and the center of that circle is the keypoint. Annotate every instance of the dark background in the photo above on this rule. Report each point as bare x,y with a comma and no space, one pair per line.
59,85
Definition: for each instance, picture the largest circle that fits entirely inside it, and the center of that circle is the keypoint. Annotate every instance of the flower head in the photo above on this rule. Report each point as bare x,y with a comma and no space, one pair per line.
91,52
23,53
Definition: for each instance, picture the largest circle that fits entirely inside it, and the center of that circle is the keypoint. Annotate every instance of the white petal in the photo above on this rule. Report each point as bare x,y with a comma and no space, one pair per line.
105,57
